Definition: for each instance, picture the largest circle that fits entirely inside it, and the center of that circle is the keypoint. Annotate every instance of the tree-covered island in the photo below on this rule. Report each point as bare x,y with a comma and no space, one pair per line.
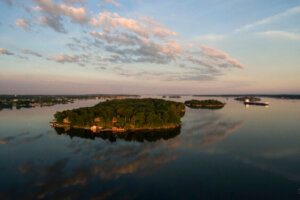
208,104
123,115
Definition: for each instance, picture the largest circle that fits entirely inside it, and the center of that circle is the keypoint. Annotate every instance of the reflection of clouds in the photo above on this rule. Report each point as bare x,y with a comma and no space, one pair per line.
104,195
59,182
6,139
56,168
281,153
10,138
107,160
25,168
52,178
269,168
214,135
32,139
145,158
111,169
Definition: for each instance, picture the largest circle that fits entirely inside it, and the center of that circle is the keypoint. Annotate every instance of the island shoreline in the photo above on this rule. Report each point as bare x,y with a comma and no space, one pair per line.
96,129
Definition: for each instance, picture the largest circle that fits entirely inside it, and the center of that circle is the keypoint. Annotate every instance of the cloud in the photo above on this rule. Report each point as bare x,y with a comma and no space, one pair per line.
81,2
210,37
8,2
279,35
158,29
217,54
36,8
145,28
112,2
6,52
112,21
274,18
129,48
120,38
125,40
53,14
132,49
22,57
53,22
6,140
81,59
138,45
23,23
28,51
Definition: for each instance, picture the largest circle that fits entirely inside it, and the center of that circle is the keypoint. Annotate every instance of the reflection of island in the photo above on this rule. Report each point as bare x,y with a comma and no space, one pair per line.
139,136
206,104
123,115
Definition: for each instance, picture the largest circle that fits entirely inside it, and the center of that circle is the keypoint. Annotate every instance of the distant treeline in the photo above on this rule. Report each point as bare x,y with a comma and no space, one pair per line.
280,96
29,101
125,114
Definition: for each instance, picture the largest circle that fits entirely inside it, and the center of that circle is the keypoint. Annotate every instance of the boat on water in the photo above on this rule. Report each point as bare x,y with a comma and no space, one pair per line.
248,102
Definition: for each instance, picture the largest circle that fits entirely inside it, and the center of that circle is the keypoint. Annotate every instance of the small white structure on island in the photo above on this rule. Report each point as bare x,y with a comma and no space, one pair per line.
94,128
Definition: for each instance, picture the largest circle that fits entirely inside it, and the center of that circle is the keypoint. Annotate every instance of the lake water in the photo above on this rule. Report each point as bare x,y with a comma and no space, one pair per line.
231,153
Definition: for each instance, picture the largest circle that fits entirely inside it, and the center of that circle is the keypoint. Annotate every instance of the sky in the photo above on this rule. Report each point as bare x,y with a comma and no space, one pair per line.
149,47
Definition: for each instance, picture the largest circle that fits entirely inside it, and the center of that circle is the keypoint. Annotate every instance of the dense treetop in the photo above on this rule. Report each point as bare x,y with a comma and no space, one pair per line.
126,113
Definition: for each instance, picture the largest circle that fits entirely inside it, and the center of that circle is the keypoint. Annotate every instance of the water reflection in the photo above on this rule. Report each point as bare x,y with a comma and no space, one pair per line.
77,164
139,136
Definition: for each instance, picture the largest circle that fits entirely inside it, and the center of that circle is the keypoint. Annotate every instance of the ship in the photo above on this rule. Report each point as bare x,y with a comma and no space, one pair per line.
248,102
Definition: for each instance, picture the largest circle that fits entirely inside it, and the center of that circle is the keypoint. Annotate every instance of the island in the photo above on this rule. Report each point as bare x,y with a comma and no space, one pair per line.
175,97
123,115
206,104
31,101
249,98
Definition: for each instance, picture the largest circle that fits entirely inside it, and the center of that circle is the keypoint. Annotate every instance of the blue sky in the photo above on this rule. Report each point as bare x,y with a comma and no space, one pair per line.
149,47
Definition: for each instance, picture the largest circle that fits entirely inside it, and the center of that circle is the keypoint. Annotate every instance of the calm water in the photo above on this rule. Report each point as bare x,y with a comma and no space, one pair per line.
231,153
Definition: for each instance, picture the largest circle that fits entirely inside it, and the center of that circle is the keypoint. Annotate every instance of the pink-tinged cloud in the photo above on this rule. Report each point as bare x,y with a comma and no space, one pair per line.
6,52
173,48
23,23
112,2
36,8
212,52
157,28
112,21
77,15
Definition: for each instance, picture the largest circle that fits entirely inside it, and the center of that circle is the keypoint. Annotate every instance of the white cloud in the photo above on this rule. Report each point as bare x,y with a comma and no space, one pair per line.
279,35
112,2
210,37
274,18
